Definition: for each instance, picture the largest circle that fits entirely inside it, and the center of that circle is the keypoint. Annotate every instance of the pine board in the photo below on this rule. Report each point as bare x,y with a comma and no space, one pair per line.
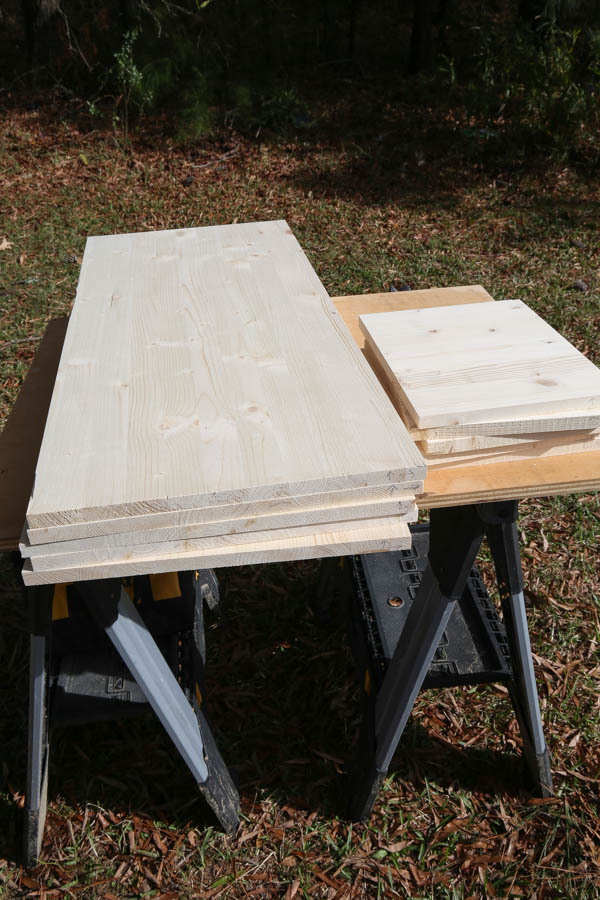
472,442
456,364
22,434
579,420
318,519
389,535
208,365
537,477
352,307
242,512
60,560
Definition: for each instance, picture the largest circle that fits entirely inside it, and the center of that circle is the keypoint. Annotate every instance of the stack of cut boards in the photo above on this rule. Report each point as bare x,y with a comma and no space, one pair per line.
488,382
210,409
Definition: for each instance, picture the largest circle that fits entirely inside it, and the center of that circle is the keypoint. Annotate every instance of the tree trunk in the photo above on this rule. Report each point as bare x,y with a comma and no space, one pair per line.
421,39
42,31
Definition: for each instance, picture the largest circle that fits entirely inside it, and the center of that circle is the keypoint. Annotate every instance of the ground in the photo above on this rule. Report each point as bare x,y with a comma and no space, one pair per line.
378,194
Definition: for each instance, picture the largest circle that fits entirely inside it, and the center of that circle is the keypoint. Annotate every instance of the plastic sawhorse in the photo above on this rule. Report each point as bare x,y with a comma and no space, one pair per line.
112,609
455,537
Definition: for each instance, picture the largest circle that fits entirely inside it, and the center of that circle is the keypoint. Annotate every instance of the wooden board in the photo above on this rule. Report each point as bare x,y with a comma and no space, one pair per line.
208,364
458,364
319,519
351,307
580,420
22,435
239,513
471,442
391,534
536,449
60,560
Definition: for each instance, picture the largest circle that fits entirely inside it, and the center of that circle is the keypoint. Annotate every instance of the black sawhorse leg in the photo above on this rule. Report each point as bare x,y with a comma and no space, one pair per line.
456,534
181,715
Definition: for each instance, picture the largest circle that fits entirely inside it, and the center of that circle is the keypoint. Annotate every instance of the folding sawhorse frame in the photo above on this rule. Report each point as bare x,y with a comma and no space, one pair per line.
390,691
174,695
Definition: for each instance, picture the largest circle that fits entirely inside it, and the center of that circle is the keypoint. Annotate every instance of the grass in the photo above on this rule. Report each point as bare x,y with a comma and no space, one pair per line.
378,192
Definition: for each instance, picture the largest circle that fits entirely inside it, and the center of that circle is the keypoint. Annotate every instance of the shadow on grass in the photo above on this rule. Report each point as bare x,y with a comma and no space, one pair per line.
282,699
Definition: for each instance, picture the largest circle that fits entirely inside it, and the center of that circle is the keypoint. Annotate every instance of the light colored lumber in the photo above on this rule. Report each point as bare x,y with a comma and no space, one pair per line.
456,364
473,442
208,363
517,480
389,534
78,558
351,307
579,420
319,519
535,449
22,434
234,512
545,477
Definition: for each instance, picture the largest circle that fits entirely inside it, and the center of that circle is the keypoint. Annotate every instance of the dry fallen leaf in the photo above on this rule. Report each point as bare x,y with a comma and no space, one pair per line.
5,244
22,258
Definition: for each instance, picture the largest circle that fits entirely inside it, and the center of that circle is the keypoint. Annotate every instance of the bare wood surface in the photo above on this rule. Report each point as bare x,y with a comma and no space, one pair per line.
351,307
206,366
22,434
390,534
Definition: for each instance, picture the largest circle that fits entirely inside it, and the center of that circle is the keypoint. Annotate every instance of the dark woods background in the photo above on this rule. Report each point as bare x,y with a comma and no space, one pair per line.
502,68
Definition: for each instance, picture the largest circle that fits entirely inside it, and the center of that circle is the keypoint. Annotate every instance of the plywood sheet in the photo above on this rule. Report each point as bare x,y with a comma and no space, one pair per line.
459,364
517,480
389,534
208,363
319,519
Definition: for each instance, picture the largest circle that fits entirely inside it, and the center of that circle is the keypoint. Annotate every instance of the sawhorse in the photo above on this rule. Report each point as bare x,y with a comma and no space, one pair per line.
177,705
455,537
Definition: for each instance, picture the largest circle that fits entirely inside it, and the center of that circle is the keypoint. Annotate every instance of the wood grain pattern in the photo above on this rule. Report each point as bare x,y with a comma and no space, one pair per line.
305,503
517,480
534,450
472,442
390,534
22,434
319,519
68,558
351,307
456,364
579,420
208,365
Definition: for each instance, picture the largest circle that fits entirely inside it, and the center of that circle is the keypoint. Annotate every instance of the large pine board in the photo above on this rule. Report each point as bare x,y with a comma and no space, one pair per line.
208,363
314,518
458,364
389,534
78,558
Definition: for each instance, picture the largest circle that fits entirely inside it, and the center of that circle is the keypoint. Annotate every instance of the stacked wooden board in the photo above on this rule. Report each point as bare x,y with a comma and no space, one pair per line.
488,382
211,408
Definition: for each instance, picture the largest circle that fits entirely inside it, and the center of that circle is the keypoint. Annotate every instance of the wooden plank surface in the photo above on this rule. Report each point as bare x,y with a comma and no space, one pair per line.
319,519
469,443
391,535
208,363
351,307
117,555
460,485
460,364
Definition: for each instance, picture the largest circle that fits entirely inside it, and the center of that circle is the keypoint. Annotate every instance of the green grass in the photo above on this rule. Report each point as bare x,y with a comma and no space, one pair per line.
377,192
